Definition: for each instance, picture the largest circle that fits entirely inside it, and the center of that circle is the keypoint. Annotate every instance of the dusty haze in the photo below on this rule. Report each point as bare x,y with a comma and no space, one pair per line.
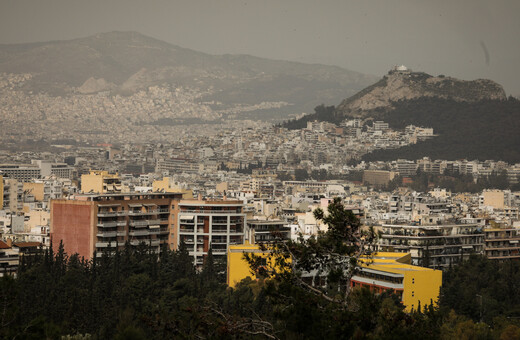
465,39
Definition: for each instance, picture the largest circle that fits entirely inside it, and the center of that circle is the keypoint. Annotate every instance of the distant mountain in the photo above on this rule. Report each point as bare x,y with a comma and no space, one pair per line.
402,84
126,62
473,119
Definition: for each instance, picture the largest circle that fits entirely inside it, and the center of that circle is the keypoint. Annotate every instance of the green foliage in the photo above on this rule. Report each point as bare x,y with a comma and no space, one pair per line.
321,113
136,294
482,130
483,289
322,265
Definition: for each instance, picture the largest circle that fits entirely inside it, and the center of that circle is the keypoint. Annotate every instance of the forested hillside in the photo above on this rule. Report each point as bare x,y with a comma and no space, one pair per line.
482,130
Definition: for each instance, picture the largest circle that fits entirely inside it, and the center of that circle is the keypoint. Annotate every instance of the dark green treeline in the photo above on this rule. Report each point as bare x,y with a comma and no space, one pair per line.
137,294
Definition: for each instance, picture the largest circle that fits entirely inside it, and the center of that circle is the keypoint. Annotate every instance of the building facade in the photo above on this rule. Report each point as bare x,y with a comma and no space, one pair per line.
502,243
89,224
434,246
204,224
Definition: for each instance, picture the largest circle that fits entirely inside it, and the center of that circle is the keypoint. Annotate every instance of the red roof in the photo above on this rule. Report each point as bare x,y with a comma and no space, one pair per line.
4,245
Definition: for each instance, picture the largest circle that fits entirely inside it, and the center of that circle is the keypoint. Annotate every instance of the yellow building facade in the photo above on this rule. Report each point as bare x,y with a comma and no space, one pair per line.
238,268
416,286
100,182
165,185
36,189
1,192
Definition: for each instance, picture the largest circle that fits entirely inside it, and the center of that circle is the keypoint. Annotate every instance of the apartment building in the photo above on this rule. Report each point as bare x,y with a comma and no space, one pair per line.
215,224
378,177
434,246
100,182
267,231
9,259
416,286
98,223
502,243
20,172
1,191
60,170
12,195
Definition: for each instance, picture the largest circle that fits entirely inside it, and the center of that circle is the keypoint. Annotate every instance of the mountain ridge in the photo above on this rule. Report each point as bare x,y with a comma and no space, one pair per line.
403,84
123,85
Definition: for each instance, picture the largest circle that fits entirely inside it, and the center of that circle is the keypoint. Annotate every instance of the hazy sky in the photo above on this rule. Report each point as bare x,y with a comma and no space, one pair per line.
448,37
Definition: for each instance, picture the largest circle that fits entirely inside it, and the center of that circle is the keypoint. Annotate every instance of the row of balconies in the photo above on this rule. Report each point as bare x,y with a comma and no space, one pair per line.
102,213
209,211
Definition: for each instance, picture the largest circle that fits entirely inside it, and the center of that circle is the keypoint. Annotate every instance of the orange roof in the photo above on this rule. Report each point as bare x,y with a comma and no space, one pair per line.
4,245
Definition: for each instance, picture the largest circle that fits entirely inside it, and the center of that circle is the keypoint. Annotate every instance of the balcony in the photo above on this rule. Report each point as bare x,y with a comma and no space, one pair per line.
110,224
208,211
108,213
139,233
219,230
139,224
105,244
154,221
107,234
183,229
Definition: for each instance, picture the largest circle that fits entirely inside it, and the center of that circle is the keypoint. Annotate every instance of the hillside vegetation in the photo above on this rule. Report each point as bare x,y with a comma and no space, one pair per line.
481,130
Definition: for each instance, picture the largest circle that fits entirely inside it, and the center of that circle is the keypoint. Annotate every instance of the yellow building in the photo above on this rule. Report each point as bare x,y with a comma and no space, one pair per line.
394,271
165,185
386,271
100,182
238,268
1,192
35,189
493,198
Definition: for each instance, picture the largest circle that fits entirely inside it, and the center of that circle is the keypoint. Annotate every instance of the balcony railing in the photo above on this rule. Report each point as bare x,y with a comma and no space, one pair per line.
206,211
107,234
108,213
143,223
139,233
105,244
107,224
219,230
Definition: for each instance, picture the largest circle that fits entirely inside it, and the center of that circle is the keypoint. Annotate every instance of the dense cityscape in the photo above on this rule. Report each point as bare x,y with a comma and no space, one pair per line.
281,175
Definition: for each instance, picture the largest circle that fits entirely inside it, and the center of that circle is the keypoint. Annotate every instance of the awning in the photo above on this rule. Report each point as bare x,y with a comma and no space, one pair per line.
135,205
513,241
154,226
187,217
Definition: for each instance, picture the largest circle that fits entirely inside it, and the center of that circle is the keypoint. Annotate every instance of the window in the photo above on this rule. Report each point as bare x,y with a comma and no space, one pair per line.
413,281
413,293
